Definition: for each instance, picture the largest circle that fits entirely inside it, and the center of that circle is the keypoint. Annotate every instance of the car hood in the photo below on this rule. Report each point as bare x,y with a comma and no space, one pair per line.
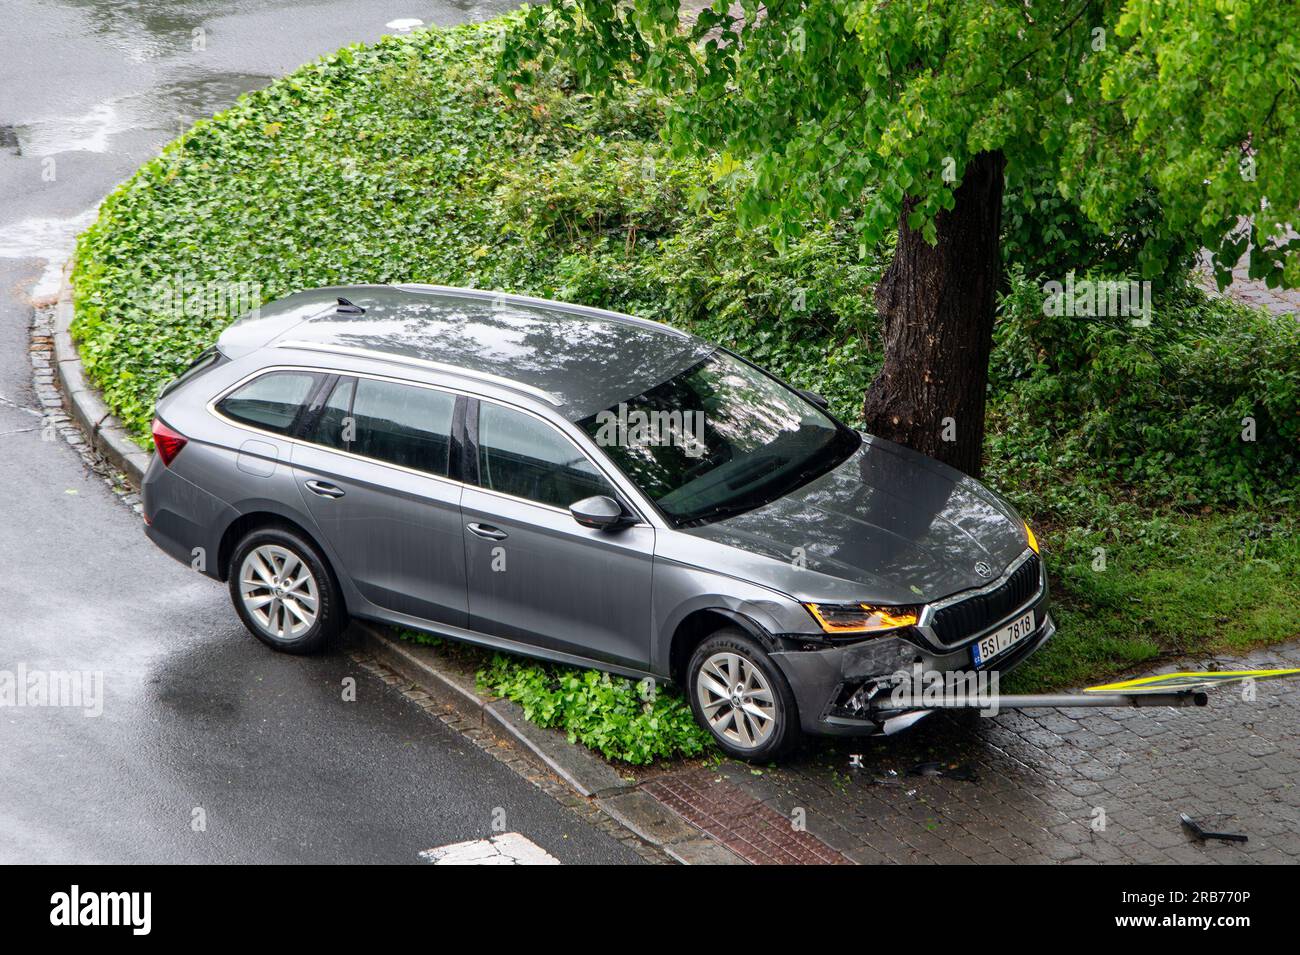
889,525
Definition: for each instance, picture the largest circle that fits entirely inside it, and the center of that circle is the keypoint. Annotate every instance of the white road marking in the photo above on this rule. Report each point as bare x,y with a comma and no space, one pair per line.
509,848
404,25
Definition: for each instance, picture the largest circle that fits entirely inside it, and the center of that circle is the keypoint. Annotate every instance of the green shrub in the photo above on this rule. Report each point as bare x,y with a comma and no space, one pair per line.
1157,410
620,719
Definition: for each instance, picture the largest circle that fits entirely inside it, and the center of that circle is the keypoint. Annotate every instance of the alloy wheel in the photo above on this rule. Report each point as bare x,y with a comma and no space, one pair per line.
737,700
279,591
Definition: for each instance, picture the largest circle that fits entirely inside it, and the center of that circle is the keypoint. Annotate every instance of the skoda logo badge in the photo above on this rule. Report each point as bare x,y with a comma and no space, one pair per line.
983,569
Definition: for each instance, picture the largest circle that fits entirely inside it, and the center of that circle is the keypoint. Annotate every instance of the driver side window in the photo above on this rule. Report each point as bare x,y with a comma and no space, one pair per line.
525,457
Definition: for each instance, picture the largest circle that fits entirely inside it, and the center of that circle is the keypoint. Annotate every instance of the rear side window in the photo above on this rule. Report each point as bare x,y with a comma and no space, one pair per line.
271,402
390,422
524,457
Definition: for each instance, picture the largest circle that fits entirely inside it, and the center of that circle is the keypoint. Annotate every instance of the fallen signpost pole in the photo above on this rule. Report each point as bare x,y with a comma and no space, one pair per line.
1023,701
1166,689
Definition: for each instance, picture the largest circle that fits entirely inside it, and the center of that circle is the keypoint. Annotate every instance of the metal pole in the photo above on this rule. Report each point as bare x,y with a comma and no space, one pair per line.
1031,701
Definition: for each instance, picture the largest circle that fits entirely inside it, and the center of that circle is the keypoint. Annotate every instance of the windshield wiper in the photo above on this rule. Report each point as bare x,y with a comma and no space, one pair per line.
721,510
742,475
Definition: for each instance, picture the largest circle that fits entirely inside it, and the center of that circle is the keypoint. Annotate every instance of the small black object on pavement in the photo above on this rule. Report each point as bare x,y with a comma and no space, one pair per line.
1195,828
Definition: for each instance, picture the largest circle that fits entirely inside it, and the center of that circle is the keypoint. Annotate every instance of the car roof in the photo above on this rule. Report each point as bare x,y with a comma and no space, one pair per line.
578,359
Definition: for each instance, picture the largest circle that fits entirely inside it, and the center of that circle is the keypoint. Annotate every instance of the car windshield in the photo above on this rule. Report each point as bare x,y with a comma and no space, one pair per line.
719,439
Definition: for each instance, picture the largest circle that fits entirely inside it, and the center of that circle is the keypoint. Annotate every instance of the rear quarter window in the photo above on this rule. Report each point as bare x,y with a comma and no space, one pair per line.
271,402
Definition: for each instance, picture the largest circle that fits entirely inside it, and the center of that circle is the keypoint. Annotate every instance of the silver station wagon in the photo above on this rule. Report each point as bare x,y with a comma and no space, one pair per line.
584,487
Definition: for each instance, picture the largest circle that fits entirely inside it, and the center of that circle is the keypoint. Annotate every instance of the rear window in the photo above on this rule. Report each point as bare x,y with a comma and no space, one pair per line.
271,402
210,357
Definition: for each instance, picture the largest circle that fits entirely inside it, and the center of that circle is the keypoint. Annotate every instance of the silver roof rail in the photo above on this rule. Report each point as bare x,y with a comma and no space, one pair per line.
488,295
382,356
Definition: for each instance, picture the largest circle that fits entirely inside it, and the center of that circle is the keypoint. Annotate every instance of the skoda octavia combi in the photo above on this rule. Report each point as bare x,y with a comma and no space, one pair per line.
588,488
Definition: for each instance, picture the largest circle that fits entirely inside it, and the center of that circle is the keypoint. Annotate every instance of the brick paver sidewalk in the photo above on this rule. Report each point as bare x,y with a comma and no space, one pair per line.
1082,785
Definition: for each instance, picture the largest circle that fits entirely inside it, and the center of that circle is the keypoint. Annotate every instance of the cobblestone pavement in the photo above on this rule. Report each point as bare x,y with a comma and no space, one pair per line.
1074,786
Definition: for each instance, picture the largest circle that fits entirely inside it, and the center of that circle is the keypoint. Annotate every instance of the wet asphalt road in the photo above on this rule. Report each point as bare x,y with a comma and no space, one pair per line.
197,715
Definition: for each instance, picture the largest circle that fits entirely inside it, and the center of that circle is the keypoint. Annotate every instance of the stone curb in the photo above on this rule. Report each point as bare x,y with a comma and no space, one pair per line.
587,773
104,432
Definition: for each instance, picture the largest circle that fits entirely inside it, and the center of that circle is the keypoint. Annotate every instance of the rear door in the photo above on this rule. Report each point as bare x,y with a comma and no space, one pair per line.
535,575
373,467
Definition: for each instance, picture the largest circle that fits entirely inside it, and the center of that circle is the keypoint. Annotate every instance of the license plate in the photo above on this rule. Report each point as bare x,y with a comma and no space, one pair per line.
1002,639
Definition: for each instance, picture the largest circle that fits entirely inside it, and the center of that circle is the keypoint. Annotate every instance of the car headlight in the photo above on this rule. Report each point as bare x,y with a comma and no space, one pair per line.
861,618
1029,536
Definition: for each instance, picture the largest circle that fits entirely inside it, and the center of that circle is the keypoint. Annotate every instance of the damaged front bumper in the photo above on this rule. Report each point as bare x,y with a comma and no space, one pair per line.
834,684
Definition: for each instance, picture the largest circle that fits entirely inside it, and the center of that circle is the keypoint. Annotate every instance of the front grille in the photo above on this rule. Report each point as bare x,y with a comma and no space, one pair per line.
964,619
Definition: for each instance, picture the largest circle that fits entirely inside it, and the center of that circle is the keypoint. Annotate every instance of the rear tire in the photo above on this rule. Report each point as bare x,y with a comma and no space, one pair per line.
741,697
283,591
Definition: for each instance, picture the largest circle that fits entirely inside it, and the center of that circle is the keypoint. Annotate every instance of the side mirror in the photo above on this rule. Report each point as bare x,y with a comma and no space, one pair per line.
599,512
815,398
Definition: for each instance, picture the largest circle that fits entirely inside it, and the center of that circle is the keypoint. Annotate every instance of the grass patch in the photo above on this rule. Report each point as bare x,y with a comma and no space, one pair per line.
1216,584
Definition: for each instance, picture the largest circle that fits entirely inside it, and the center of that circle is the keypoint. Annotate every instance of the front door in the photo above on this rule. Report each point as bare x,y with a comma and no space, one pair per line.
534,574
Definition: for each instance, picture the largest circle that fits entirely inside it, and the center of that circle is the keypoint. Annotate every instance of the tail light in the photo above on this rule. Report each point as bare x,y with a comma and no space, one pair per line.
167,441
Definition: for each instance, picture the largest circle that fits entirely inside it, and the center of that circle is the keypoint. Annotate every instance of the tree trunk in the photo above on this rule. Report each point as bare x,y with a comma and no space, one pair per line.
937,304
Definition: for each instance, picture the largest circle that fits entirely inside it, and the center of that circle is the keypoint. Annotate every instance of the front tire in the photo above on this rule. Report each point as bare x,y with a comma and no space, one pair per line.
741,697
283,592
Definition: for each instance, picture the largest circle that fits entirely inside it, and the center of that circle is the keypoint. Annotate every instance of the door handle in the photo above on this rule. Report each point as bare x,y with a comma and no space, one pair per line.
324,489
487,531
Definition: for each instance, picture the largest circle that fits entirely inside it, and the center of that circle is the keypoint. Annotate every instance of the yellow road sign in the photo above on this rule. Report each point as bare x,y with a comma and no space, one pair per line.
1167,682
